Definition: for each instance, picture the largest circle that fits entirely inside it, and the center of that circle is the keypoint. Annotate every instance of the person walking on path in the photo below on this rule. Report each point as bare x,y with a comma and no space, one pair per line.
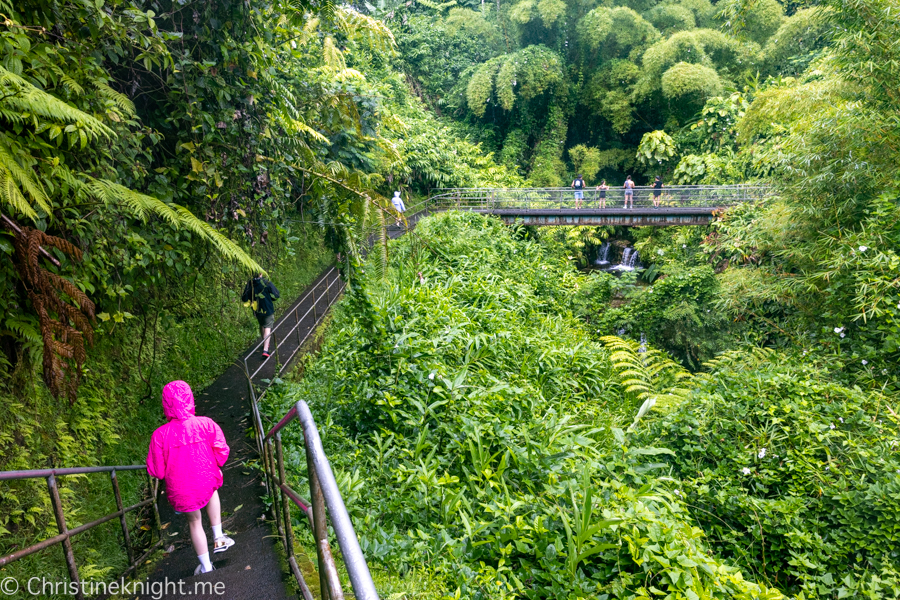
397,201
629,192
657,190
602,197
260,293
188,453
578,184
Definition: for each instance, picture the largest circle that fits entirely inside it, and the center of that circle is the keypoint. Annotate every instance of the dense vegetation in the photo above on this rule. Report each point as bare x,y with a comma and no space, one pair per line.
499,429
489,441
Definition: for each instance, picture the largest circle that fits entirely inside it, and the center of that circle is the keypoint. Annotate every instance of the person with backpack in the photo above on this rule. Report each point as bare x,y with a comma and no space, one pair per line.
260,293
578,184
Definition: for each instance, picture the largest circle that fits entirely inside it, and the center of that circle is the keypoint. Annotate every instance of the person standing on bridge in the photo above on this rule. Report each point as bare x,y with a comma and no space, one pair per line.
602,194
578,184
397,202
629,192
188,453
260,293
657,190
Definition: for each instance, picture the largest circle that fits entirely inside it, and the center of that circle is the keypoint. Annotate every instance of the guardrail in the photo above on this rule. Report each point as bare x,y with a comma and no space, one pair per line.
326,497
66,534
674,196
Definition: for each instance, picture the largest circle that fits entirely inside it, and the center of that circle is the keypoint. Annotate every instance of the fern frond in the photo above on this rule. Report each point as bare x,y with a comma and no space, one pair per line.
14,179
144,206
20,95
121,101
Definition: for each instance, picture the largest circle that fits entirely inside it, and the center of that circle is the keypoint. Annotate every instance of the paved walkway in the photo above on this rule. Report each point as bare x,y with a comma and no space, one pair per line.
252,568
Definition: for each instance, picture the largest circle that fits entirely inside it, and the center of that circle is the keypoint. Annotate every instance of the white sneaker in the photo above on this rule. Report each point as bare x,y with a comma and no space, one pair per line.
222,544
199,570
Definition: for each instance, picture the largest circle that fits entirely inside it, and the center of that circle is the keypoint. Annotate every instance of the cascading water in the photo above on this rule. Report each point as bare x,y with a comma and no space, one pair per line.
629,260
603,255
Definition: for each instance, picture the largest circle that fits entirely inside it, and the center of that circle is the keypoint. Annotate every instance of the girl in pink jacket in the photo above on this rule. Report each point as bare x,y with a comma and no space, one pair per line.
188,453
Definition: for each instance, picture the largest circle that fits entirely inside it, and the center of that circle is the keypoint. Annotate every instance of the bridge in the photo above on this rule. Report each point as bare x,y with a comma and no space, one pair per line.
678,204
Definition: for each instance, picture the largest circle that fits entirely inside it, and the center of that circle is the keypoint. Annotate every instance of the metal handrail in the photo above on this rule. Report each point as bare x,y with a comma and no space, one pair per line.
66,534
323,487
708,197
325,497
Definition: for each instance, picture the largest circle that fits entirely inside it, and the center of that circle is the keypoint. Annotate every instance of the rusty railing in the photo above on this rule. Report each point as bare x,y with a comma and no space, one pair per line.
65,534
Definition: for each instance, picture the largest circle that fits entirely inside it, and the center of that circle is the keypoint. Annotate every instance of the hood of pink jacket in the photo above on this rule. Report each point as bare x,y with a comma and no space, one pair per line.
178,401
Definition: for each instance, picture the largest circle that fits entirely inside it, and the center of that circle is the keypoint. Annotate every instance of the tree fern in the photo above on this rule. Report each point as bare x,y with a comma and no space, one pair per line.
143,206
647,372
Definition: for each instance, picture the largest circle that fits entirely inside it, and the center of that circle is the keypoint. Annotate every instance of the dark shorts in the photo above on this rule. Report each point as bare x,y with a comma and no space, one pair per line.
656,193
266,321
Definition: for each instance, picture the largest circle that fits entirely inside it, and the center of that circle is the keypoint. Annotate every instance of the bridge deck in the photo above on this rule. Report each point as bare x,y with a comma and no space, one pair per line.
679,205
639,216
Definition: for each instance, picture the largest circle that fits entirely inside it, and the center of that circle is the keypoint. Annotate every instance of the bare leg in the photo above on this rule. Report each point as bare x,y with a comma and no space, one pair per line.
198,536
214,510
267,333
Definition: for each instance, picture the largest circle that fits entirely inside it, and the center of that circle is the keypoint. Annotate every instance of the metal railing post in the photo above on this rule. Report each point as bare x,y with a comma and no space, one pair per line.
285,503
122,521
320,527
63,530
275,341
270,474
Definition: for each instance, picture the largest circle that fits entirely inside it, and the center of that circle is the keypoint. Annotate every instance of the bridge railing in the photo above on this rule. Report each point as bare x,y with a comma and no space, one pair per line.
674,196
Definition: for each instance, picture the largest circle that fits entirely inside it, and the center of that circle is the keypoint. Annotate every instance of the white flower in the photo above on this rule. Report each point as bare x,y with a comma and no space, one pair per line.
762,453
843,334
865,362
431,376
746,471
293,44
660,251
677,493
863,248
684,245
841,419
832,425
884,371
838,329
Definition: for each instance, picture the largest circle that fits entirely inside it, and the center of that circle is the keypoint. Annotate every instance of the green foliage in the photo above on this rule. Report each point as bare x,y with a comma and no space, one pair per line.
526,74
548,167
690,85
477,431
656,147
585,160
792,477
756,20
799,40
614,32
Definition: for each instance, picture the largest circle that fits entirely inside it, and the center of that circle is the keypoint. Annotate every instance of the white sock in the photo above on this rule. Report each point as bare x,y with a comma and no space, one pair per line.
217,531
204,560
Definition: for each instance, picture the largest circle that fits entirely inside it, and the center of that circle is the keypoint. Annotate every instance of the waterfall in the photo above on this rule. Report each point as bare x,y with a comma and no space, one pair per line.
643,347
630,260
603,255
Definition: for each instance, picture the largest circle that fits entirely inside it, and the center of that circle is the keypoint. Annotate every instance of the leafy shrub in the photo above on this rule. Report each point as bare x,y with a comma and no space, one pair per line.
476,429
792,477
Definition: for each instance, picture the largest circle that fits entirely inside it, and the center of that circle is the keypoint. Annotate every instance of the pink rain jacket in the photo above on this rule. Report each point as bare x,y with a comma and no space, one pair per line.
187,451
